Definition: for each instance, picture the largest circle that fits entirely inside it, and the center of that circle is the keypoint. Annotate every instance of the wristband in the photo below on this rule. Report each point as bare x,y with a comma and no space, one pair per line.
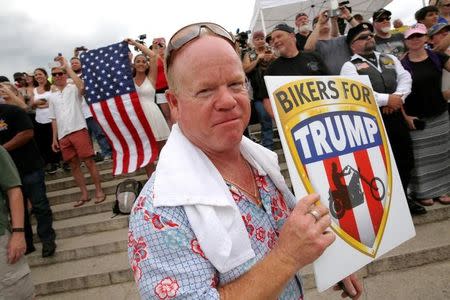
350,19
17,229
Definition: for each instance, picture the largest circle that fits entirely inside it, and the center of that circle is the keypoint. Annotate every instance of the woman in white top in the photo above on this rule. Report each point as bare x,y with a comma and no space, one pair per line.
144,76
43,125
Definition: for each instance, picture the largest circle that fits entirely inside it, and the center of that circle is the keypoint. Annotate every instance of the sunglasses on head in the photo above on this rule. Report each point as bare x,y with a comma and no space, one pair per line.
382,19
192,32
58,74
364,37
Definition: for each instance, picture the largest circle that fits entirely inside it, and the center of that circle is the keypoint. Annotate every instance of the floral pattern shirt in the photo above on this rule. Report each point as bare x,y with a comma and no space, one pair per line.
167,260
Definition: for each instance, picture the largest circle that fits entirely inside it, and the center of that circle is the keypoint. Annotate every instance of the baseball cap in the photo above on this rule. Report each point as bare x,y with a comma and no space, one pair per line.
354,31
379,13
436,28
416,28
4,79
283,27
300,14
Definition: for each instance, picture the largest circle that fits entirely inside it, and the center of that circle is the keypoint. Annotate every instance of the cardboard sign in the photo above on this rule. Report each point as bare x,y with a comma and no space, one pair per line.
335,145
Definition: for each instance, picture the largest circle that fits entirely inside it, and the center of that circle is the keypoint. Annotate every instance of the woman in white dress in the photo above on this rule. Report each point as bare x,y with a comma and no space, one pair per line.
144,76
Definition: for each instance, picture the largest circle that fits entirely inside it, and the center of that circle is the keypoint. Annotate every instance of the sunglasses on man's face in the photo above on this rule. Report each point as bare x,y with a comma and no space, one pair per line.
379,20
191,32
364,37
57,74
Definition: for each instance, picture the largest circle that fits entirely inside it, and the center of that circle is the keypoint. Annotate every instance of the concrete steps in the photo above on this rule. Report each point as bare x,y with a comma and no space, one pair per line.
91,260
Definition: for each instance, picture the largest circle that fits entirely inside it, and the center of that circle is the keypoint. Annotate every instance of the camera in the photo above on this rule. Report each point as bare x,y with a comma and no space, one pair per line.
336,11
140,40
242,39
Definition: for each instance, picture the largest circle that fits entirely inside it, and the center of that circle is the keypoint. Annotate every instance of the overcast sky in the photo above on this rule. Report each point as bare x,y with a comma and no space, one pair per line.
33,32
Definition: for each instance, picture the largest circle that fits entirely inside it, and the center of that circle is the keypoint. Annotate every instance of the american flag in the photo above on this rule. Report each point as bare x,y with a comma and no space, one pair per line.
114,103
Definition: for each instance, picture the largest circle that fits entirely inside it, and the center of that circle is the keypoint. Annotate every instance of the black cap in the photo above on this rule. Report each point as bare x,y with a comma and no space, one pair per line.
379,13
4,79
354,31
283,27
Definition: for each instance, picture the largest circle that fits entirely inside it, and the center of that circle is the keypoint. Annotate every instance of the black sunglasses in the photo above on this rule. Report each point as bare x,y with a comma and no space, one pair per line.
382,19
364,37
58,74
191,32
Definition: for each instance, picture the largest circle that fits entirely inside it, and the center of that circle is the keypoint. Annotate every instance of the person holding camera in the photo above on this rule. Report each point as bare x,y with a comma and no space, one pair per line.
333,50
144,75
425,110
255,63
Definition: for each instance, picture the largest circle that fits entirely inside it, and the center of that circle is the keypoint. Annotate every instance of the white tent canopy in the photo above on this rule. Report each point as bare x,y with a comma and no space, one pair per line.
268,13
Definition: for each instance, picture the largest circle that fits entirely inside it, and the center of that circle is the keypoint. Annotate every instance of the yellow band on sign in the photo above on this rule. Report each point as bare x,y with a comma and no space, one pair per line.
301,95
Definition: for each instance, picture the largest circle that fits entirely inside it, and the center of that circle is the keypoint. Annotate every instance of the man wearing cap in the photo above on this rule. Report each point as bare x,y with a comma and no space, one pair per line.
255,63
304,29
387,42
216,220
429,16
437,33
391,84
291,61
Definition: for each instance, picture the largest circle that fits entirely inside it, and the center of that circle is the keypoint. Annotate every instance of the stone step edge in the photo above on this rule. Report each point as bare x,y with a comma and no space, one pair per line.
394,263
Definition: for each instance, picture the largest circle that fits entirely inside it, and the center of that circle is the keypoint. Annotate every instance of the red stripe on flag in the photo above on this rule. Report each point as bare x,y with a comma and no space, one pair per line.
347,222
134,134
113,149
141,115
383,154
375,206
119,135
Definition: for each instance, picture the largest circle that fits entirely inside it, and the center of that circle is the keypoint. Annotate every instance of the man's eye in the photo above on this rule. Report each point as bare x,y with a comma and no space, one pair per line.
238,86
204,93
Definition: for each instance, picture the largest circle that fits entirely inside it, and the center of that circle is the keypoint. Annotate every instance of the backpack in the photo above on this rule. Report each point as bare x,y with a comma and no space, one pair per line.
126,193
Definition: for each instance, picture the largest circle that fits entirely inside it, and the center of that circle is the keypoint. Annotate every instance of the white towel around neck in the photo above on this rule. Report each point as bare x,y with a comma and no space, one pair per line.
186,177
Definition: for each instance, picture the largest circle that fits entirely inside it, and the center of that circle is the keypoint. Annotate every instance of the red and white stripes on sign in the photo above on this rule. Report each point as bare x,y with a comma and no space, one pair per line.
128,131
363,221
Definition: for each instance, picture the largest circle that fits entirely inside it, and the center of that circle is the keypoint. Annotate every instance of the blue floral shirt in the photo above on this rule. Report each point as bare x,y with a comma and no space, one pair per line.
167,260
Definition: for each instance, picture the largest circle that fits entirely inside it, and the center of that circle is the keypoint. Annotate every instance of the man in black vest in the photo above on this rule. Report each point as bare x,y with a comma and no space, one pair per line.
391,84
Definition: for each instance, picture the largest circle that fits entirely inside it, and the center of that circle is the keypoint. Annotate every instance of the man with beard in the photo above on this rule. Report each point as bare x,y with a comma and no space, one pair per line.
291,60
304,29
391,84
387,42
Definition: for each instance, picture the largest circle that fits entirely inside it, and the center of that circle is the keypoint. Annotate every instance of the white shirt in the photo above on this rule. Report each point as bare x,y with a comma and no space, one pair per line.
65,108
404,80
42,114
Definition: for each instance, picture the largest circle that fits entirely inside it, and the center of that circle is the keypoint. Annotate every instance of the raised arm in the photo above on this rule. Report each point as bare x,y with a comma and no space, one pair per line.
76,80
151,55
311,42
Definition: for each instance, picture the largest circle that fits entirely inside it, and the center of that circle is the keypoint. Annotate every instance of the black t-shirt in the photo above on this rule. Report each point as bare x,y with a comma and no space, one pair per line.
393,45
426,99
305,63
301,40
12,121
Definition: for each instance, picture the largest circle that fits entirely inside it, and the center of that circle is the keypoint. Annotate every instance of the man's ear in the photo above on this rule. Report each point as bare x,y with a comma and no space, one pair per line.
173,104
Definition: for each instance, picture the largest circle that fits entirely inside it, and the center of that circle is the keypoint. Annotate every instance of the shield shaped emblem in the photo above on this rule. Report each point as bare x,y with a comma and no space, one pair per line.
336,136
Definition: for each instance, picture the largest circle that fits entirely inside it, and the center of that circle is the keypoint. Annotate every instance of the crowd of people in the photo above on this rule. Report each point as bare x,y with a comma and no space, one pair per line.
195,93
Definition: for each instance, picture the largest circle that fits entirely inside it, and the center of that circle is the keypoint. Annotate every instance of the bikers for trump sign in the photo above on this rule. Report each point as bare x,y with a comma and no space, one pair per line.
335,145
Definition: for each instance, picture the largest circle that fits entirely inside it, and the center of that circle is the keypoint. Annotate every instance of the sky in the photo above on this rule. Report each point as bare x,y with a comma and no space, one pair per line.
34,32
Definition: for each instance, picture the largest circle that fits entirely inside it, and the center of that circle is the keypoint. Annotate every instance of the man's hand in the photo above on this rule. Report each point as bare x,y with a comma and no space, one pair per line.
395,102
345,13
303,238
350,286
16,247
55,146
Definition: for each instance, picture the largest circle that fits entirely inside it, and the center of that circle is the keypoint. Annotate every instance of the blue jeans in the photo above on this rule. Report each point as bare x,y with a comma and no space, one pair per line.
266,125
96,131
33,188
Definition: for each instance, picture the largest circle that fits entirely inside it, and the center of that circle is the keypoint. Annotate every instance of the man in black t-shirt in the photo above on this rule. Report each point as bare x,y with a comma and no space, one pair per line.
304,30
386,42
291,61
16,136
